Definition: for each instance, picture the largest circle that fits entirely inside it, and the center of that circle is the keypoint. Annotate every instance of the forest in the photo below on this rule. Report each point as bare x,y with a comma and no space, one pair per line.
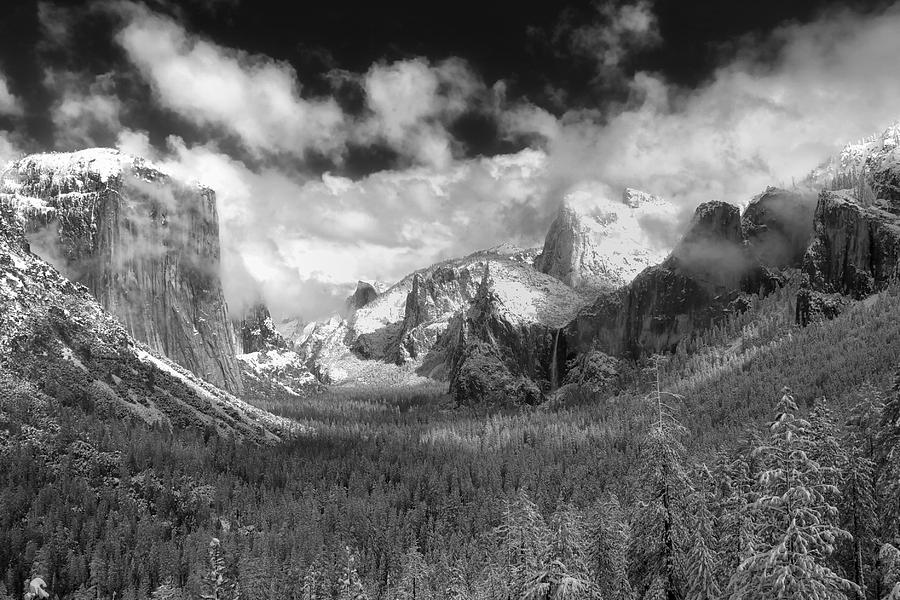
761,461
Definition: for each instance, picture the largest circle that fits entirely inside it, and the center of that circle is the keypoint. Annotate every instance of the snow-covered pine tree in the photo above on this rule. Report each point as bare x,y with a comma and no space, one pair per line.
216,583
414,577
795,525
735,498
702,569
523,539
564,574
659,540
857,505
889,461
167,590
608,537
350,586
889,564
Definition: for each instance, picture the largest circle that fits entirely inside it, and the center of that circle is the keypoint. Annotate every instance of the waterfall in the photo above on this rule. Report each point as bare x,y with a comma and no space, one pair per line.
554,376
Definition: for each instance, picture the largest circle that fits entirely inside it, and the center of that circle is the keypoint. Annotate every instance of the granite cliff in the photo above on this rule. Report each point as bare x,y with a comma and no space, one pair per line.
144,244
57,344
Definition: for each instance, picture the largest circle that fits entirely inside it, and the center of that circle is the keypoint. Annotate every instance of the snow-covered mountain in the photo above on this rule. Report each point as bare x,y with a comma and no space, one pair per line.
61,346
144,244
607,242
393,338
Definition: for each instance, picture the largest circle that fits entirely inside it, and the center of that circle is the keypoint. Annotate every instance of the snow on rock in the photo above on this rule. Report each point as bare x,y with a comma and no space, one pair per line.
600,243
145,245
393,337
55,336
275,372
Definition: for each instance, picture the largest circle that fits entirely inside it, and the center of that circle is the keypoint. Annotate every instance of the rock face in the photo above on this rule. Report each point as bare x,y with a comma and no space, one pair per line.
778,226
607,246
145,245
701,281
257,332
494,357
56,340
365,293
856,249
403,335
569,252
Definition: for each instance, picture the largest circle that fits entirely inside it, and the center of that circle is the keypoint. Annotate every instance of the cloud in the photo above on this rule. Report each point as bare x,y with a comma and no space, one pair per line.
617,31
768,117
87,111
302,244
10,105
412,102
252,97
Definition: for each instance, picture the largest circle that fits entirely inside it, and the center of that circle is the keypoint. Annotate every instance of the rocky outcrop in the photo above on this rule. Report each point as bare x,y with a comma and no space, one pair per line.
364,294
56,340
145,245
433,300
495,360
569,252
702,280
608,244
256,331
856,249
778,226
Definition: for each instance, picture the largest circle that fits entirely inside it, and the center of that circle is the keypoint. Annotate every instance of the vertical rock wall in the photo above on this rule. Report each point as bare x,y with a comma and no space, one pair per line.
145,245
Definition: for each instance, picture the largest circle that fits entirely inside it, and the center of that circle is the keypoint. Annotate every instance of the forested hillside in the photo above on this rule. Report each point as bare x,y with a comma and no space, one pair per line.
736,487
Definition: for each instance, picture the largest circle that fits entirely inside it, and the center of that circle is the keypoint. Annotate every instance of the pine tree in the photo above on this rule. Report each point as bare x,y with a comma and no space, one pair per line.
523,539
564,573
858,506
889,461
889,562
795,524
609,536
414,577
702,569
217,585
351,586
167,591
659,537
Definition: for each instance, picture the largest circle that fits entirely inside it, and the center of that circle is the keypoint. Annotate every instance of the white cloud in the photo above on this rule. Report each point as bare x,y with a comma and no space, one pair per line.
754,124
306,242
412,102
253,97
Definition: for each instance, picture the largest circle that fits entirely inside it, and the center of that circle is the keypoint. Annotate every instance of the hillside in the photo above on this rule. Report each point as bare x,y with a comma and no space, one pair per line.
144,244
56,338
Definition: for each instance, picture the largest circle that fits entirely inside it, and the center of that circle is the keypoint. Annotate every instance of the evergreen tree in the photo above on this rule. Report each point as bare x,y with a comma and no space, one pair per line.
414,577
523,539
889,460
167,591
703,562
858,506
608,537
217,585
660,538
889,564
351,586
795,524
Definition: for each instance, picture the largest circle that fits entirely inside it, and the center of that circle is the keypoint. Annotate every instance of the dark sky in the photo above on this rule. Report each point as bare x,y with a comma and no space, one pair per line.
529,46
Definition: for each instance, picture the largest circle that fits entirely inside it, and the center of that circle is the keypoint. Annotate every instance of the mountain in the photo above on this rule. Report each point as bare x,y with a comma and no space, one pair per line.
397,337
144,244
270,368
607,247
58,344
